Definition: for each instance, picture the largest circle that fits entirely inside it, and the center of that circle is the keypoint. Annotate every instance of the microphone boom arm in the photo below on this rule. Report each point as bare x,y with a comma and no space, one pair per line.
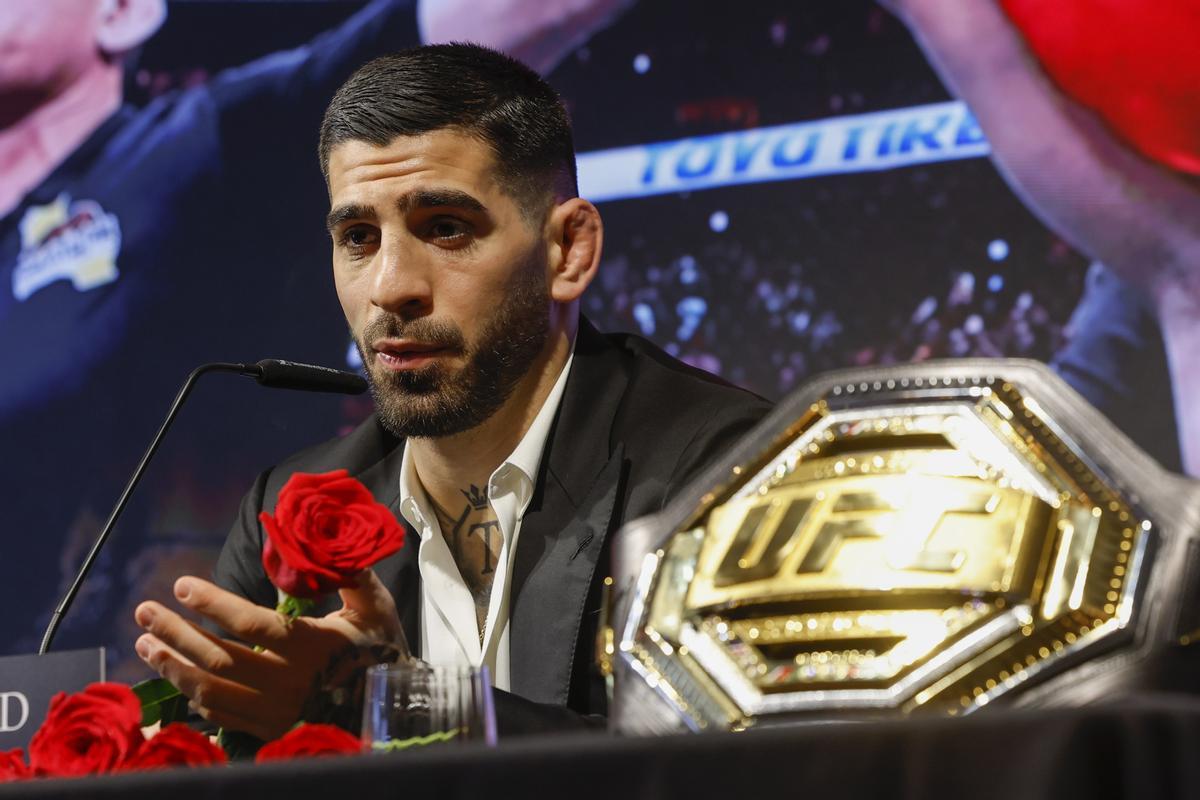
268,372
88,562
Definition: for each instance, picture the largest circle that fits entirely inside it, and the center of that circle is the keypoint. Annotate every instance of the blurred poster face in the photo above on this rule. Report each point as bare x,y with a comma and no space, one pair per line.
771,229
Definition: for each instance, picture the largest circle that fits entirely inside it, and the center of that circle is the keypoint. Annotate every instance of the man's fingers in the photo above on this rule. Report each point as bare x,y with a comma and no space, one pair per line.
202,687
215,698
241,618
212,654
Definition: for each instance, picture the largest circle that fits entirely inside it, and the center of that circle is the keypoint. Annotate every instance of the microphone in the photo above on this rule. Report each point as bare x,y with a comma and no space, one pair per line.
268,372
306,377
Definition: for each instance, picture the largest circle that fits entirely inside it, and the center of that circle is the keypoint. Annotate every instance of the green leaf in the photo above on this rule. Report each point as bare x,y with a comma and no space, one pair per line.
161,702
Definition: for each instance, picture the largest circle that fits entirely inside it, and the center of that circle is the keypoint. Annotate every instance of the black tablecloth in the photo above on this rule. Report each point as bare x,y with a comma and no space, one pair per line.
1146,749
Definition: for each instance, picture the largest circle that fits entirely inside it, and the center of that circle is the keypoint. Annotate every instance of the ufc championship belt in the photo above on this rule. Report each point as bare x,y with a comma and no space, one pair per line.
923,540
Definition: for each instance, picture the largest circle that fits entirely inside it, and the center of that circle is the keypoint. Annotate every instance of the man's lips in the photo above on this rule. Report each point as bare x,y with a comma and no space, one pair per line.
398,354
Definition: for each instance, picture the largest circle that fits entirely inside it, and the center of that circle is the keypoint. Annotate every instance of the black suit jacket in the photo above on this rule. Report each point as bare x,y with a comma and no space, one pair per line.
633,426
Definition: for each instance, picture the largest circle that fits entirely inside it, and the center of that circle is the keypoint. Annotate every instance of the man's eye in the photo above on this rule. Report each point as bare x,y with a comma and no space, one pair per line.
358,237
448,229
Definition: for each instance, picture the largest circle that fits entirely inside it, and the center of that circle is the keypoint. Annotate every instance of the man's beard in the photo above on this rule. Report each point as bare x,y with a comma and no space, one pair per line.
436,400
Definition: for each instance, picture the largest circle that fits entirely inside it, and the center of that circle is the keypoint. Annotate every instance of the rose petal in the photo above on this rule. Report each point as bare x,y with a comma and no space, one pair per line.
89,732
310,740
177,745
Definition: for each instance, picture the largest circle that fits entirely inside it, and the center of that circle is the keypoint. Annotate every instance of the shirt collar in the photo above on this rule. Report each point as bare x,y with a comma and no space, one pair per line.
527,457
522,465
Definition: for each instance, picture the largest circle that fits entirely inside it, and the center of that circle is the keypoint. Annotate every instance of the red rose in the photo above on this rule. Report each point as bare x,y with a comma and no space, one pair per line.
310,740
13,766
176,745
326,530
87,733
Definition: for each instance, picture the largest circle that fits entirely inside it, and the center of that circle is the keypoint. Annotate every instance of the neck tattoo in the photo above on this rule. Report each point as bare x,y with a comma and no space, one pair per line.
473,536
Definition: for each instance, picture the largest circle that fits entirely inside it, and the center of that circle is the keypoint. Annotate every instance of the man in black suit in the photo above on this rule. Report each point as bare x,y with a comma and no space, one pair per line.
509,435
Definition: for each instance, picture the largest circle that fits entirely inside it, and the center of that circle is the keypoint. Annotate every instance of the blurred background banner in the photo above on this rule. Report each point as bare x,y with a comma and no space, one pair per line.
788,188
858,143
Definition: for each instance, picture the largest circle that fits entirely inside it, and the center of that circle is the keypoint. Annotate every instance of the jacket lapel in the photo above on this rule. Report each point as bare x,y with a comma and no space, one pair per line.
564,530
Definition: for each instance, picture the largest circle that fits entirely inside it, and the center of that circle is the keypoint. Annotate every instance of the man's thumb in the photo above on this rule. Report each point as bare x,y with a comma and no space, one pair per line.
370,605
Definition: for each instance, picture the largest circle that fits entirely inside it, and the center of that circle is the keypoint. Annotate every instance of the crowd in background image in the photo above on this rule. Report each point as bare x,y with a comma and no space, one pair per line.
769,312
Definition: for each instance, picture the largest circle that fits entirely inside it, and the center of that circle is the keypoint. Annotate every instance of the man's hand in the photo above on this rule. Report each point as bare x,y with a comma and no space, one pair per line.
537,32
262,692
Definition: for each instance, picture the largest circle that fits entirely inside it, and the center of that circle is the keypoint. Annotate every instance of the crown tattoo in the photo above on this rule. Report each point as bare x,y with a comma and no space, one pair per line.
478,499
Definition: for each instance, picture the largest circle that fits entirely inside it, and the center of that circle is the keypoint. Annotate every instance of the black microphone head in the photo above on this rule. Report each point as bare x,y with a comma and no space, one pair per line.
307,377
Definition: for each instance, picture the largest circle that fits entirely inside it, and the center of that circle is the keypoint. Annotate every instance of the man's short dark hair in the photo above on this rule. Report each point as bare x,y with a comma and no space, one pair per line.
470,88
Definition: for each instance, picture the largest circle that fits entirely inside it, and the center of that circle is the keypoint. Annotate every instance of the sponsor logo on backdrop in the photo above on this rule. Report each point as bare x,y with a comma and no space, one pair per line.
69,240
857,143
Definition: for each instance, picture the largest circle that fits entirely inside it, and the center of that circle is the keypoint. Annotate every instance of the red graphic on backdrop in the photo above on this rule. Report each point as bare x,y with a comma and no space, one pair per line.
1134,62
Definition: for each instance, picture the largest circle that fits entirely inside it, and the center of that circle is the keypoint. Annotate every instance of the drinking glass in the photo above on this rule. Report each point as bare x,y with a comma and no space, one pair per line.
414,704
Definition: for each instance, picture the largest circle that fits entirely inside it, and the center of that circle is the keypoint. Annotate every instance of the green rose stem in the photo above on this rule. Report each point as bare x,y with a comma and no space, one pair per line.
292,607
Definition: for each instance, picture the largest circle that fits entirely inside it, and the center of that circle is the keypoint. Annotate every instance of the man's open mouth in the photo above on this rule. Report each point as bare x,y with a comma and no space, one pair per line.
403,354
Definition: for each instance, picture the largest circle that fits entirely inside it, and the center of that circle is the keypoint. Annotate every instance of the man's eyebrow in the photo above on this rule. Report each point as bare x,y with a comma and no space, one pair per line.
420,198
348,211
435,198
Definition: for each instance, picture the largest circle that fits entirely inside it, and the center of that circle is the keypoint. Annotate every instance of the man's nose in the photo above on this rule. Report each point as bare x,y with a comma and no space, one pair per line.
401,280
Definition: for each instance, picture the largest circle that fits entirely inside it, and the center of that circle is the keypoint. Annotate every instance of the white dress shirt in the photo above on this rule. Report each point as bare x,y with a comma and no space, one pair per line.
449,623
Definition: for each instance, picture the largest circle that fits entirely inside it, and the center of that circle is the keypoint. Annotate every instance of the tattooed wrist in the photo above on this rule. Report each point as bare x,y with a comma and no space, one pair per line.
336,697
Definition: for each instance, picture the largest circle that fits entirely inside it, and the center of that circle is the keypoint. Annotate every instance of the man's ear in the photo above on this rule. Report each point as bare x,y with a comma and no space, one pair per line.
123,25
576,238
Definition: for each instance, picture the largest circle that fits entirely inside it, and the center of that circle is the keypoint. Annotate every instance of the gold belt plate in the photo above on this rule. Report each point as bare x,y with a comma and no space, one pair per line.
925,556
